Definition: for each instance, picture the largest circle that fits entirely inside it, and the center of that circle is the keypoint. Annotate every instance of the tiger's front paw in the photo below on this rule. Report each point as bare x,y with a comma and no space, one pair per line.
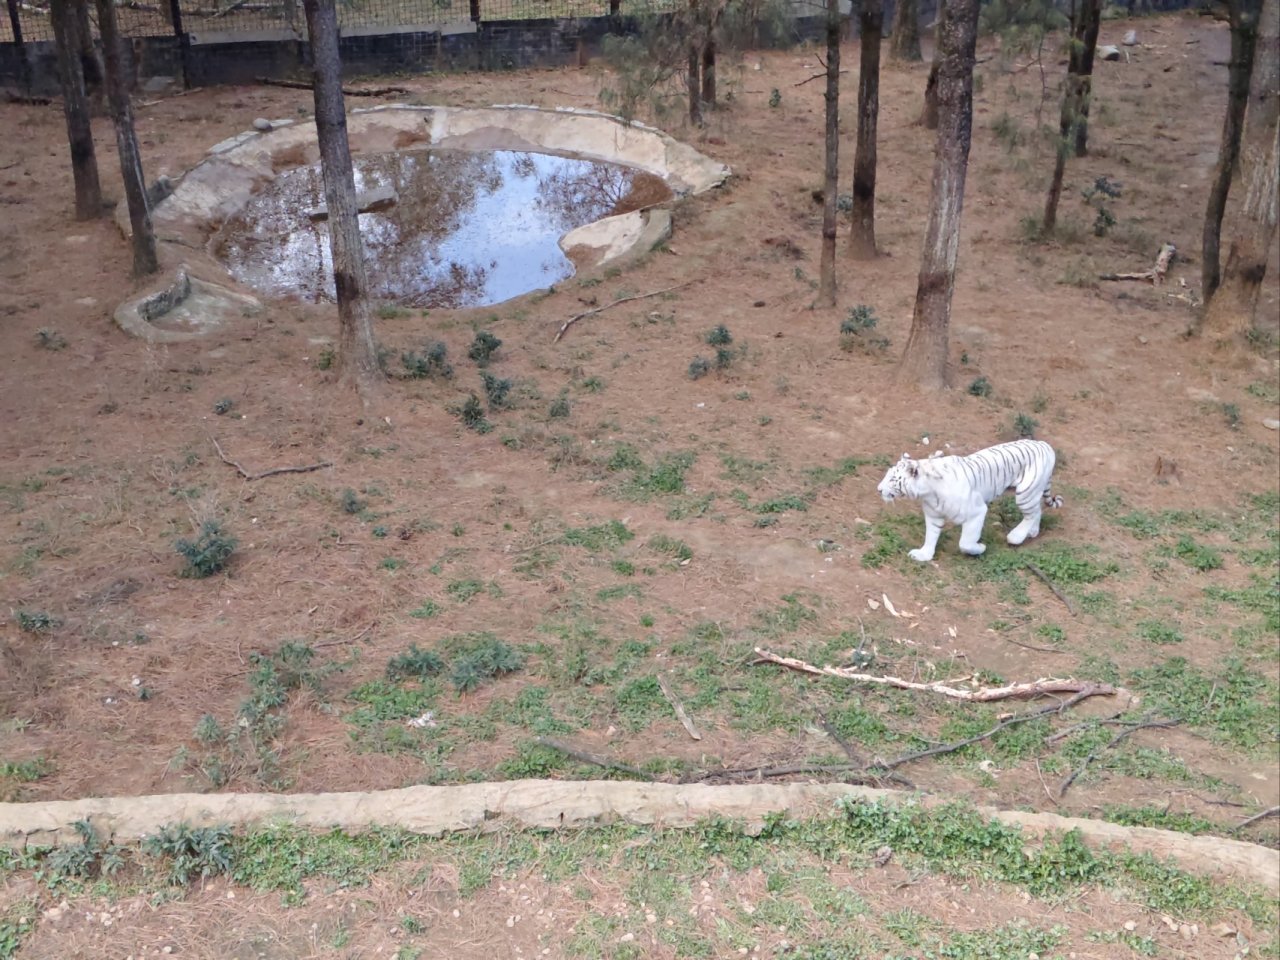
974,550
922,556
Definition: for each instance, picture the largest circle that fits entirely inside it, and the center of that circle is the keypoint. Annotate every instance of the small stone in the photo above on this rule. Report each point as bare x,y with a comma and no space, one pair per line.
1186,932
262,124
86,301
1271,424
1130,926
1143,340
626,938
1130,39
1223,930
1109,52
78,238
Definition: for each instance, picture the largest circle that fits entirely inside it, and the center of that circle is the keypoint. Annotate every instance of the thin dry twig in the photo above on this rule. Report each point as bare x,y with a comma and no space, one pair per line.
1044,578
592,758
665,686
1044,785
816,76
1030,646
347,91
845,745
1119,737
265,473
1014,691
1002,725
594,310
864,775
358,636
1067,731
1256,817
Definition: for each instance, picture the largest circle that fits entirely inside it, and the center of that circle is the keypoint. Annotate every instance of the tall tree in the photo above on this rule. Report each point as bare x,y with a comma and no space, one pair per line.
905,42
1243,15
863,238
135,185
924,361
929,115
1084,47
831,168
358,365
1234,304
1084,39
75,108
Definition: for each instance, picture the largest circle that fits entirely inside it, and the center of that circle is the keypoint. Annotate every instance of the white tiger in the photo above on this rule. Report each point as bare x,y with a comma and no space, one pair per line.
959,488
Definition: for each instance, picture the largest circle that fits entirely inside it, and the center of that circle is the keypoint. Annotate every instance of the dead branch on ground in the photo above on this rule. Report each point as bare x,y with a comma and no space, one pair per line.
594,310
347,91
1155,275
596,760
1068,731
678,707
1013,691
862,775
1256,817
845,745
1118,738
1002,725
1044,578
265,473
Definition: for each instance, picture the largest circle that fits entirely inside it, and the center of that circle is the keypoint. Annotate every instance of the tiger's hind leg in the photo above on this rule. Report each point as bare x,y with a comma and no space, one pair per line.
1030,503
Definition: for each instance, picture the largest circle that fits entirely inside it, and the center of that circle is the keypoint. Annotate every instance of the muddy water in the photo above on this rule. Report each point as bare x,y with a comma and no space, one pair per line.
465,229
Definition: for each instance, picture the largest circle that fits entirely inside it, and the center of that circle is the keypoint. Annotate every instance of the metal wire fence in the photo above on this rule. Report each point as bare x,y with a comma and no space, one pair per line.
222,17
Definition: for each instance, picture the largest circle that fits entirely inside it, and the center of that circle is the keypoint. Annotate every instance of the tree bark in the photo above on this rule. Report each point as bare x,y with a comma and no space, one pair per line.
1244,35
709,69
693,82
924,362
75,108
905,42
19,43
1232,309
831,180
929,115
358,364
1075,97
1084,46
135,184
863,238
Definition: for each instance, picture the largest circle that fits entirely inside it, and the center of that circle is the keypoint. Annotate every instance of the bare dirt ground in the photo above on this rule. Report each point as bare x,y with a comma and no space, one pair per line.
765,536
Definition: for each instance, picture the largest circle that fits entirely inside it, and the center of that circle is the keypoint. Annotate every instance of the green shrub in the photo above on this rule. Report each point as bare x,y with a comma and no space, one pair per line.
858,330
980,387
719,336
471,413
35,621
486,659
208,553
483,348
699,367
496,390
414,664
431,363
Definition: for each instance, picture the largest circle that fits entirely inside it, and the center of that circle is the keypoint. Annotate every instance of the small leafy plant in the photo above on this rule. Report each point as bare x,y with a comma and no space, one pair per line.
192,851
431,363
1024,425
350,502
486,659
50,339
208,553
483,347
35,621
980,387
497,390
414,664
699,367
857,330
1096,196
471,413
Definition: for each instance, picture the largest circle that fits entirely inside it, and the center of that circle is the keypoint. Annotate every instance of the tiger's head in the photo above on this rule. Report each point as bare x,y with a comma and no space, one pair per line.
901,480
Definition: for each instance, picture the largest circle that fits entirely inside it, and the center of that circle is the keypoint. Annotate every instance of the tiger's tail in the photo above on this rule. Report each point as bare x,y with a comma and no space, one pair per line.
1051,500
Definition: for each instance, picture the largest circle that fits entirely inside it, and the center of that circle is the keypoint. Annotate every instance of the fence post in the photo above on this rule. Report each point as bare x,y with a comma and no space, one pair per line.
24,68
175,14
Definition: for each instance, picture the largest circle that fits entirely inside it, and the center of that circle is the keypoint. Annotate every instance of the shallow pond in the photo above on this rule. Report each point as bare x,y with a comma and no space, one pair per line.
442,228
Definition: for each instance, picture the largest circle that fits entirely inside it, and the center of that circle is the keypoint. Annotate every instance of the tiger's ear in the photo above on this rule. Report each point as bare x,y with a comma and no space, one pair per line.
906,456
913,468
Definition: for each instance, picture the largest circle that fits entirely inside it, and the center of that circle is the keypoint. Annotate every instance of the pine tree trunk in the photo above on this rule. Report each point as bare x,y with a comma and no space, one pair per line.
905,42
929,115
831,180
924,362
75,108
357,350
1083,49
709,70
1232,309
1049,222
1244,35
135,185
693,82
863,239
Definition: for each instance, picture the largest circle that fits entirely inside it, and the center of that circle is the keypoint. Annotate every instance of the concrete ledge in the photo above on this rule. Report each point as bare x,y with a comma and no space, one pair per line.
556,804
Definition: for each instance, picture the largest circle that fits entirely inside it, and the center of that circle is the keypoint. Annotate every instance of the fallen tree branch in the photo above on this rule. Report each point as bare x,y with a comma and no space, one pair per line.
845,745
1119,737
1068,731
678,707
1014,691
594,759
265,473
816,76
961,744
347,91
1044,578
1155,275
594,310
1255,818
865,776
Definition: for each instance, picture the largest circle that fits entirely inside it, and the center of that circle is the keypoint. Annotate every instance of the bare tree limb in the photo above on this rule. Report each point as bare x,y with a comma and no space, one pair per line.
665,686
1256,817
265,473
1078,771
594,759
961,744
1044,578
1067,731
845,745
1155,275
1015,691
347,91
640,296
863,775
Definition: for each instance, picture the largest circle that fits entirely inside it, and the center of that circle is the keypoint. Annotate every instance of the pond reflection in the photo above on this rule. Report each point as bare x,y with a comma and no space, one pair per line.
466,229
